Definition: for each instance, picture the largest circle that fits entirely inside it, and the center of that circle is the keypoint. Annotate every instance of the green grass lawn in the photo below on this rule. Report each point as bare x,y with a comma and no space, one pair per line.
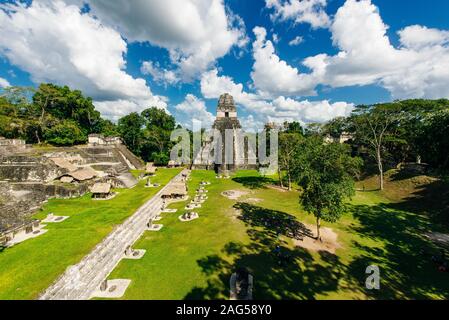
194,260
30,267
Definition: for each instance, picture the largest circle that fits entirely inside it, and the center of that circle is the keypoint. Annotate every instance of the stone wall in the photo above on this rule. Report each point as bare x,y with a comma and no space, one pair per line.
22,199
116,153
43,192
22,168
32,176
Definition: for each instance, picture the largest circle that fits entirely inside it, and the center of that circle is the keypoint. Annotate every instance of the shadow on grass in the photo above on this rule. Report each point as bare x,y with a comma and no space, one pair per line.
284,274
254,182
407,271
431,200
400,250
274,222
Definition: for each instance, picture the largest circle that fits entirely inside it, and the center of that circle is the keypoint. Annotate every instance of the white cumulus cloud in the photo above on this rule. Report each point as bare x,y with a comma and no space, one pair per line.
193,108
4,83
300,11
195,32
296,41
160,75
419,36
417,68
55,42
275,76
263,109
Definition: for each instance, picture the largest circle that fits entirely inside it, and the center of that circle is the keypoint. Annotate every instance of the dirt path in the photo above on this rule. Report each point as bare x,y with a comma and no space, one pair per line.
329,241
234,194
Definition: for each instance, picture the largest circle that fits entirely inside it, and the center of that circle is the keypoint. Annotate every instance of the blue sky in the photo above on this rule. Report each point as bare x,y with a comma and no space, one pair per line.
181,54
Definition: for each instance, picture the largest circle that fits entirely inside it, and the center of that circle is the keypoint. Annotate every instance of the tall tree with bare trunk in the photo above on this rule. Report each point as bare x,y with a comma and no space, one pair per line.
372,127
326,174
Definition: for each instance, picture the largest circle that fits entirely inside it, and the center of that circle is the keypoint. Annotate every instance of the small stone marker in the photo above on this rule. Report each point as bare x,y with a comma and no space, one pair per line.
104,285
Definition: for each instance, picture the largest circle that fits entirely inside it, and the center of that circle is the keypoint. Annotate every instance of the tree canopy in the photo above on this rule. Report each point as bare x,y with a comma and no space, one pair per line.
326,174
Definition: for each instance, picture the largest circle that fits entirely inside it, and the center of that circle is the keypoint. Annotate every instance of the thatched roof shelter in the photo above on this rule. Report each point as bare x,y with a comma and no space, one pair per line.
83,174
150,168
67,179
101,188
172,164
63,163
176,189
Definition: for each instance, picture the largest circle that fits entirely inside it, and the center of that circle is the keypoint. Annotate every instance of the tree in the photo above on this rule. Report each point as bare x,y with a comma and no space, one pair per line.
14,112
130,128
434,139
293,127
106,128
288,143
326,173
158,118
63,103
313,129
15,101
372,126
65,133
415,133
156,142
335,127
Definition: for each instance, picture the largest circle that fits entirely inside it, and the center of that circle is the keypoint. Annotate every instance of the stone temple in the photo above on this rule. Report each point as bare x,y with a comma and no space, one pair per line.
227,147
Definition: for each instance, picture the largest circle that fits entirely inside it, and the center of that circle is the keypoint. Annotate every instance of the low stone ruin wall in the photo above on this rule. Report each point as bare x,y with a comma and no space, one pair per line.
40,191
25,168
14,214
16,211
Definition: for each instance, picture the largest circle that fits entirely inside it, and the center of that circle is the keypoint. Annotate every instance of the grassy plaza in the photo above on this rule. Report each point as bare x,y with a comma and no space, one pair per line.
194,260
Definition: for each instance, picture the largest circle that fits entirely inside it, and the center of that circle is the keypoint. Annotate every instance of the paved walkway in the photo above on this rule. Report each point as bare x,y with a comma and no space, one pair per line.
79,282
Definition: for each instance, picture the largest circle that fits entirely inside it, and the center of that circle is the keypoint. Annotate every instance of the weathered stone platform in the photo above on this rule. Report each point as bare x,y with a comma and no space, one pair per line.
23,236
193,216
115,289
135,254
54,219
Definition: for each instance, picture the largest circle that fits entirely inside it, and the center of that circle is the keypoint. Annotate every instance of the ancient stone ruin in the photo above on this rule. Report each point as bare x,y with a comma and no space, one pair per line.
241,154
29,176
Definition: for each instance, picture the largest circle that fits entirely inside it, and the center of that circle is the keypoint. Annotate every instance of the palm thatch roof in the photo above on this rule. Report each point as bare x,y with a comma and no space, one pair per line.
101,188
63,163
83,174
175,189
171,163
67,179
150,168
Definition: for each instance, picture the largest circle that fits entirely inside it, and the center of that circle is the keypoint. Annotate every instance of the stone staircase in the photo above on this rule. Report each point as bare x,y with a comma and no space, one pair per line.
80,281
132,160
